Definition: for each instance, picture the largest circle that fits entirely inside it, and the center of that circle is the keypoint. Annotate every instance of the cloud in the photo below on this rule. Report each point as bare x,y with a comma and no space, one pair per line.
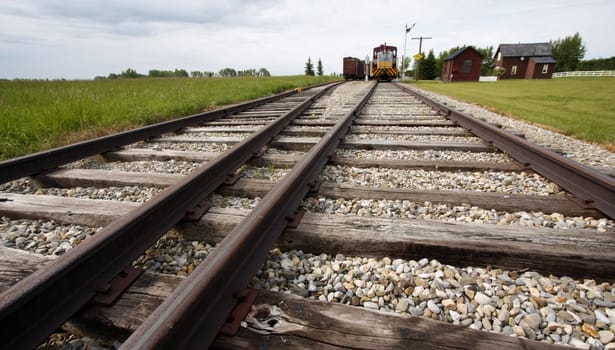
144,11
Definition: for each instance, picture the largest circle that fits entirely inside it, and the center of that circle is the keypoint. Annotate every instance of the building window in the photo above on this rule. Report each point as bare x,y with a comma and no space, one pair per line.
545,68
513,70
467,66
499,56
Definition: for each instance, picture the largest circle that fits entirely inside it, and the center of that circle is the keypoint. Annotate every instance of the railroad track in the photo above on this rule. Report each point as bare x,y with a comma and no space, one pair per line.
381,126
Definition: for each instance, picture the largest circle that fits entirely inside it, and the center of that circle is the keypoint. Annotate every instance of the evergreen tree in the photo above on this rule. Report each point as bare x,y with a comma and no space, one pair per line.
309,67
319,70
428,67
568,52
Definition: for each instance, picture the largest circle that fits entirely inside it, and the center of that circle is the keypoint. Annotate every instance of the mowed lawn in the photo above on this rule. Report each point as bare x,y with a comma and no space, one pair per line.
583,108
38,115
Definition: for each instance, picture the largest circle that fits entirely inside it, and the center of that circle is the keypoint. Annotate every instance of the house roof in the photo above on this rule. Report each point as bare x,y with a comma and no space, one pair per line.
543,60
460,51
528,50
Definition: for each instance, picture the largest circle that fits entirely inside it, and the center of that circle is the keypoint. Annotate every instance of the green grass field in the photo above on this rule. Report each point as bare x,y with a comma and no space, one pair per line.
583,108
38,115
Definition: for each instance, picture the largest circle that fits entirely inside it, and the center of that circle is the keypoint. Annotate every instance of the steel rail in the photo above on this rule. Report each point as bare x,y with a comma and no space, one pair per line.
589,186
37,305
35,163
192,315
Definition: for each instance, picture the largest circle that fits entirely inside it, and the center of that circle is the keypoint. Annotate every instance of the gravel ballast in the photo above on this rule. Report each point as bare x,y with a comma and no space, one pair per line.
553,309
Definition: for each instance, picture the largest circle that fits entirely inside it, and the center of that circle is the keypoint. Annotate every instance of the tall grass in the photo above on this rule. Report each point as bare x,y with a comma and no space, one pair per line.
38,115
583,108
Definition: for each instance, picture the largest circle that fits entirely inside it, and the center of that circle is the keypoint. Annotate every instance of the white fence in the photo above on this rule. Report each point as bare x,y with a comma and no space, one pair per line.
594,73
487,79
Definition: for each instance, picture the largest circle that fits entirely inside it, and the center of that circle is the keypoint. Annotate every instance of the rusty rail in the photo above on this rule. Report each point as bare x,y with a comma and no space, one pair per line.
590,187
34,307
191,317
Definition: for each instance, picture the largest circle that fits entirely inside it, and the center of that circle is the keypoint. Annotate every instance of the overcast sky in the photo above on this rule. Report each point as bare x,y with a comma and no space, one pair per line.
80,39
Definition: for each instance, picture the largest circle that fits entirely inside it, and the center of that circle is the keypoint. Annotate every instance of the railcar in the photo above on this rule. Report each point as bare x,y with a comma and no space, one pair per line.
354,68
384,63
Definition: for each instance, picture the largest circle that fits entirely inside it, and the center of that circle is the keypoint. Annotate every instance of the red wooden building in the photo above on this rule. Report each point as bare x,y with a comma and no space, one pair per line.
463,65
525,61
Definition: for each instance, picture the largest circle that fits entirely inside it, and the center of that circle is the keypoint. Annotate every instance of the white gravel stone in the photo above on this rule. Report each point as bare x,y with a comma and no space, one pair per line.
533,320
482,299
433,307
606,336
371,305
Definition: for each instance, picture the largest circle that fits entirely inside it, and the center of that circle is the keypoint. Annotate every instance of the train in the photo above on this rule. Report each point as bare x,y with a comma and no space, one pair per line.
354,68
383,65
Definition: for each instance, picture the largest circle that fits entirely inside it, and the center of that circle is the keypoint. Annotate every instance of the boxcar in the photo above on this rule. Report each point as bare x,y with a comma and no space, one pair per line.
354,68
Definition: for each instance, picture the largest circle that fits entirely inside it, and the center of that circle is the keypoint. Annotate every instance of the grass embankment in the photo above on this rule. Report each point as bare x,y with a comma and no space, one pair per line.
38,115
583,108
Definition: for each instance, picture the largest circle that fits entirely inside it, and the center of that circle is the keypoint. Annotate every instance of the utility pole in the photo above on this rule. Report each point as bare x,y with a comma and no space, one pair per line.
418,62
403,57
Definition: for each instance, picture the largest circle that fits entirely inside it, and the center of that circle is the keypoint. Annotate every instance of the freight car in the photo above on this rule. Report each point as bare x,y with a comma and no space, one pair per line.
384,62
354,68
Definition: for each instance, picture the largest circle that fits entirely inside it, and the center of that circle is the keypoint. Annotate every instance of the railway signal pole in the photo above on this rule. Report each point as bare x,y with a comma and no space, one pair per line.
418,62
403,57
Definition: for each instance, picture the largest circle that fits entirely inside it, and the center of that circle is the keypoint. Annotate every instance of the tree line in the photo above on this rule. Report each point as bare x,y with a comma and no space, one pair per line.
230,72
568,52
309,68
130,73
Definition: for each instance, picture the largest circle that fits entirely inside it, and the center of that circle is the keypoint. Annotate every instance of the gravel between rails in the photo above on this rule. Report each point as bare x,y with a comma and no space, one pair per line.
484,181
424,155
183,146
150,166
386,137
